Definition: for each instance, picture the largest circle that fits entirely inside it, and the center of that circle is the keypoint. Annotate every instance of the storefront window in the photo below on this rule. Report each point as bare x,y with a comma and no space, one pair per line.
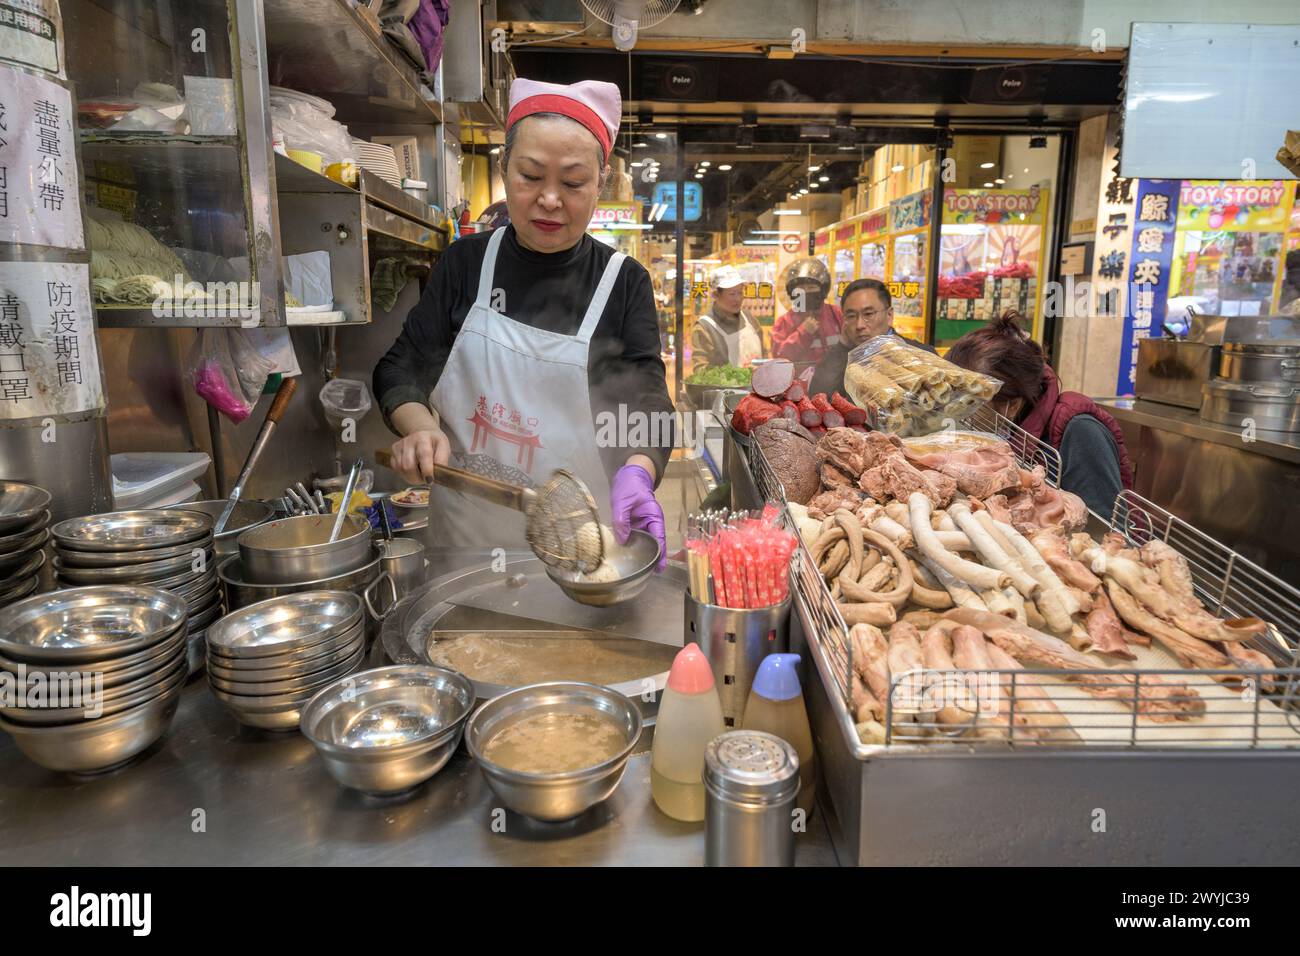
995,233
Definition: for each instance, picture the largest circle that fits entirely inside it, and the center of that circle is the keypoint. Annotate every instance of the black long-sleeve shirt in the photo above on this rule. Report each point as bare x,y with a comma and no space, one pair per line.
548,291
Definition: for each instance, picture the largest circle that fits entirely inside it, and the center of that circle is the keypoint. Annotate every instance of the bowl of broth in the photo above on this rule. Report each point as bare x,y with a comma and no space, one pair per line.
552,751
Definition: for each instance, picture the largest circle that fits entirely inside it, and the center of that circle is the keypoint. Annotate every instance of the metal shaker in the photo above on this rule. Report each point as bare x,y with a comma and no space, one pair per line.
751,780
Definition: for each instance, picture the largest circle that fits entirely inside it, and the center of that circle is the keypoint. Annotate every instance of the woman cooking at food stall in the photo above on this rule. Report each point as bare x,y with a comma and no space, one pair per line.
1094,462
530,337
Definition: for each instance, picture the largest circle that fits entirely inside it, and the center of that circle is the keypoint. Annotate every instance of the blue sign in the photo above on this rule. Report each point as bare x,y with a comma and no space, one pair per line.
1150,262
666,195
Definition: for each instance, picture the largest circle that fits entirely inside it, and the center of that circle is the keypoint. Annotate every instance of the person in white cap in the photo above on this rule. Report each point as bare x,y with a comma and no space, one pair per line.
534,347
727,335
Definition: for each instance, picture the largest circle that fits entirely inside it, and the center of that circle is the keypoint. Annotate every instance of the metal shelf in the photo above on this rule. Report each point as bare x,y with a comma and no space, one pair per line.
326,48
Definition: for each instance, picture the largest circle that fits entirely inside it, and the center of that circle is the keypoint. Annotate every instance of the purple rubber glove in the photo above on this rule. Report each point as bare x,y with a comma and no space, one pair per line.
632,500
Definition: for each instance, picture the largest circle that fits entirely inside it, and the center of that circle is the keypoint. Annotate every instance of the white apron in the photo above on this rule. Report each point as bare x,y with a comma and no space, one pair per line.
744,346
520,395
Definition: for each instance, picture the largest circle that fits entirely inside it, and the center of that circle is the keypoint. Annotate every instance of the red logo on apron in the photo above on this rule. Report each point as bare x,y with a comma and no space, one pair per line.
507,425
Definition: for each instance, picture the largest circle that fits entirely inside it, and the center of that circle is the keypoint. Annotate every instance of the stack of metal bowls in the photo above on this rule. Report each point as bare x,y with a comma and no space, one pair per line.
265,661
171,550
294,554
389,729
24,521
97,674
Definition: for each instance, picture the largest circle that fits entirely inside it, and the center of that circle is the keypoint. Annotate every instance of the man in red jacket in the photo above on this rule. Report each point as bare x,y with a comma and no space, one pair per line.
812,326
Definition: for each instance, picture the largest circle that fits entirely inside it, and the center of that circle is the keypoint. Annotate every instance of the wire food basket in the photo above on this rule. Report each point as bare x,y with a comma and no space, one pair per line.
1144,706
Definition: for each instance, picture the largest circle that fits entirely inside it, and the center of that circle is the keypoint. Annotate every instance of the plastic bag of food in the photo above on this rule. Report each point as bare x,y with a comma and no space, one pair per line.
910,391
228,383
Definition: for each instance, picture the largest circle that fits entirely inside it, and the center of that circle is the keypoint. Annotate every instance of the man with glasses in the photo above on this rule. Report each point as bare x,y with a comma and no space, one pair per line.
868,311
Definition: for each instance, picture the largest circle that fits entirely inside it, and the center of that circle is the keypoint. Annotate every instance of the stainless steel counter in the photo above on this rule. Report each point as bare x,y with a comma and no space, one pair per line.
1240,492
1284,446
266,799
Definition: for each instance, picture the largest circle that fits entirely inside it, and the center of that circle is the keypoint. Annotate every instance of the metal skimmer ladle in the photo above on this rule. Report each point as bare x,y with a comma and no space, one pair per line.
563,524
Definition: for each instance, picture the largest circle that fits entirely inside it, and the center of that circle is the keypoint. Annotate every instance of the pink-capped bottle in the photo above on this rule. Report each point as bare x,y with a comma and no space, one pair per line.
690,715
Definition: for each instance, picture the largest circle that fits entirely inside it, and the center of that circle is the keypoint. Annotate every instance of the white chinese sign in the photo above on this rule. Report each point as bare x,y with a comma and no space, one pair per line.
39,189
49,360
31,35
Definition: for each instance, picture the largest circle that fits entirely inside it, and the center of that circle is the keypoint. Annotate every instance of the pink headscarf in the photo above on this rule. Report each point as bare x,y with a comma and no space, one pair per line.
595,104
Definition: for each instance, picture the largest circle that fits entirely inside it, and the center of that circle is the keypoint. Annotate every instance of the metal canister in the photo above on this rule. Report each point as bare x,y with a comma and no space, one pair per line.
751,780
735,640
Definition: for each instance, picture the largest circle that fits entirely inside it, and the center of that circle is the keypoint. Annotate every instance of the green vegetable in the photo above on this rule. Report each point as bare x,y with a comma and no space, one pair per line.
721,376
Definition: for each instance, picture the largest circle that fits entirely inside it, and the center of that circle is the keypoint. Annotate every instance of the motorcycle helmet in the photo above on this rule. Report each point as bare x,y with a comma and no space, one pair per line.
803,272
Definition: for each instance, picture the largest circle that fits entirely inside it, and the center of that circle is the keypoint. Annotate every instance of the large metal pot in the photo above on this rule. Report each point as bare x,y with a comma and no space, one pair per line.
240,592
1267,407
247,514
292,550
1269,363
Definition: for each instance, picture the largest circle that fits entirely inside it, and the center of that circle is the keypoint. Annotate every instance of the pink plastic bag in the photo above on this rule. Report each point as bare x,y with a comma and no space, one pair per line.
227,373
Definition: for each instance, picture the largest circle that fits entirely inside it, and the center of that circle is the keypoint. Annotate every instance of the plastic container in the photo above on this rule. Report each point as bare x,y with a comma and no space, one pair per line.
140,478
776,707
344,398
690,715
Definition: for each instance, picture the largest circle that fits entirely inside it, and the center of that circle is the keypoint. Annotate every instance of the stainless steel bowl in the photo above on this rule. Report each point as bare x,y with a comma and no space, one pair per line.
132,530
94,746
85,625
387,730
635,562
30,567
284,624
247,514
25,587
117,671
21,505
553,796
27,538
145,573
279,712
15,564
291,685
72,558
284,667
298,549
108,702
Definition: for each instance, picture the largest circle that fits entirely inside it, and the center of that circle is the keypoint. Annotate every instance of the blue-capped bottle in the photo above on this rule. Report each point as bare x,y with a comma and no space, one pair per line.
776,706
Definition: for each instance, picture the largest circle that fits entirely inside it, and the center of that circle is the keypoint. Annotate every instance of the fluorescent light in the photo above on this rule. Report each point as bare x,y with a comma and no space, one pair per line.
705,163
986,165
1000,181
823,179
640,144
897,168
786,212
815,185
637,164
699,175
988,185
661,135
813,169
725,167
761,242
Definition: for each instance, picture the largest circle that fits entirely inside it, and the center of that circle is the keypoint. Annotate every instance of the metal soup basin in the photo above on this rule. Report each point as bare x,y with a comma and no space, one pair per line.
553,797
289,550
